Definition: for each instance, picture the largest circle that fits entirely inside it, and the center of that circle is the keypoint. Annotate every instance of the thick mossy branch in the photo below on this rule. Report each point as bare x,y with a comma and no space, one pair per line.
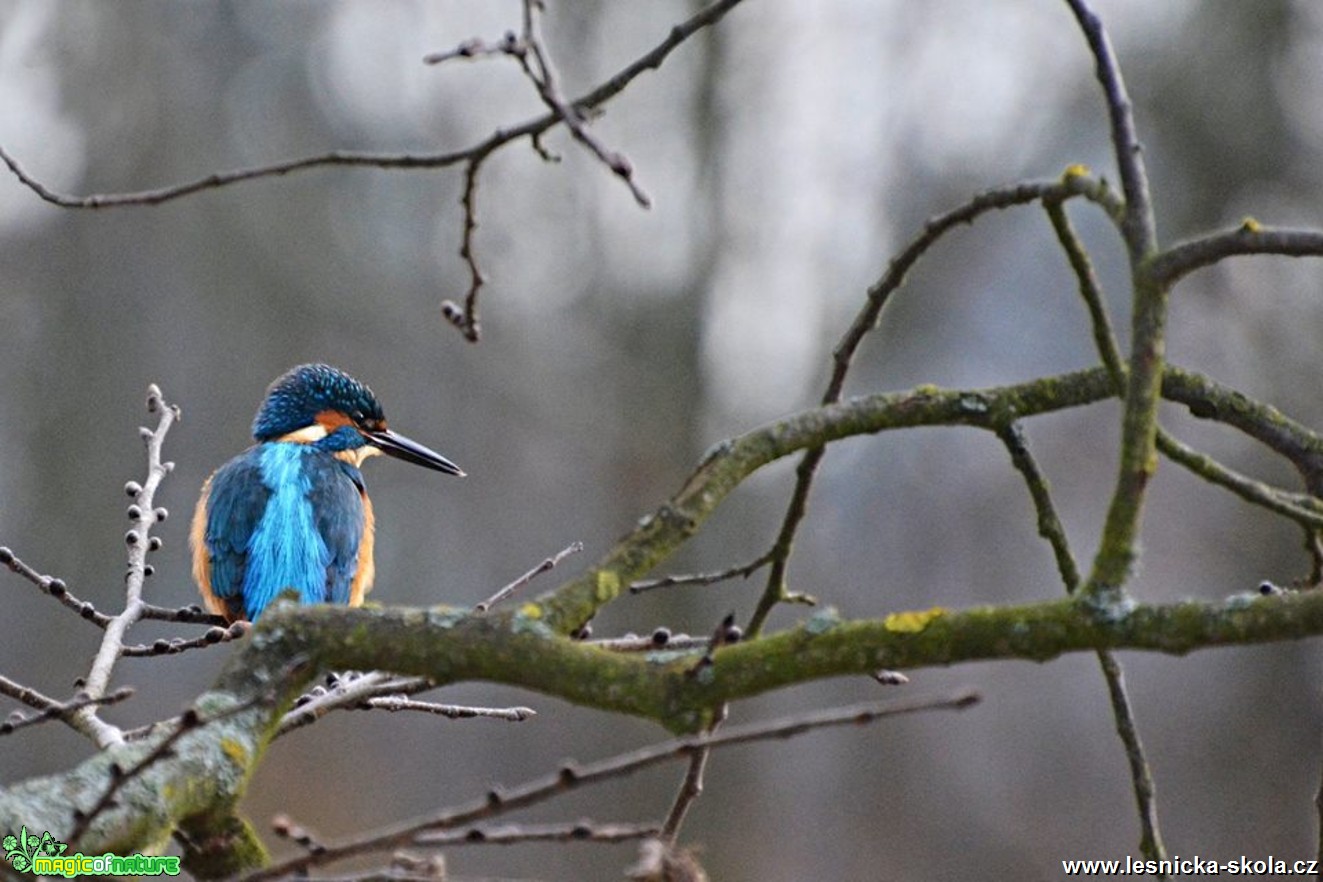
206,771
822,647
202,776
1118,549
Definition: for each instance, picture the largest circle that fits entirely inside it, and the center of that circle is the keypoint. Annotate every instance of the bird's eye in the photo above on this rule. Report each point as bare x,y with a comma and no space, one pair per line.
357,416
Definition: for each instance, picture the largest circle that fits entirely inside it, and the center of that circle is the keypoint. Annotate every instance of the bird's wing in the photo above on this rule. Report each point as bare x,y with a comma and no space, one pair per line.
235,501
336,495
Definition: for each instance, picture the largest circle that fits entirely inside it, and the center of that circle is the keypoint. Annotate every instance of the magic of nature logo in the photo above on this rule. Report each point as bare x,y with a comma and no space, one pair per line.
45,856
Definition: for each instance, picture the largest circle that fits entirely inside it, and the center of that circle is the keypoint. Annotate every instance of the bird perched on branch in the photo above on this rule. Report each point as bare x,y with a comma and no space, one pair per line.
292,512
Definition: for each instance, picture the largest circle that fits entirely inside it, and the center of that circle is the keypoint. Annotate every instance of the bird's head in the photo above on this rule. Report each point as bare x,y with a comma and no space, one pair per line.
321,405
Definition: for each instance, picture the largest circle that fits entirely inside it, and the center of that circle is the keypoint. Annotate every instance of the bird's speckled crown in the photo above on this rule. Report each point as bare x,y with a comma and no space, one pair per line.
296,397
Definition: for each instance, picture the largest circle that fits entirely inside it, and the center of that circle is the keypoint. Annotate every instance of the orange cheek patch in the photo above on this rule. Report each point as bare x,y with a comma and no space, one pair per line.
323,424
330,420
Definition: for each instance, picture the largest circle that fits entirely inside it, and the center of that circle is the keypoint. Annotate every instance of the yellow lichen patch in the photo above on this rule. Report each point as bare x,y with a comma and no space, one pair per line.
1075,170
608,586
1250,225
531,610
912,621
235,751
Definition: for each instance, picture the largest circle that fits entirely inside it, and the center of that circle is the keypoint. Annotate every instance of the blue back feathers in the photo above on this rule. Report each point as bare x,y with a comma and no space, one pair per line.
283,515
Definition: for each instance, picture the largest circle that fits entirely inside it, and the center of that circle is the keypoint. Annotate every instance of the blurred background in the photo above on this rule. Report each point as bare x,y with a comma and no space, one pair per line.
790,151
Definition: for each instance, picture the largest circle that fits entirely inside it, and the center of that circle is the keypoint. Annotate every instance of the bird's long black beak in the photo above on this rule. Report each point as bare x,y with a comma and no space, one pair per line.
400,447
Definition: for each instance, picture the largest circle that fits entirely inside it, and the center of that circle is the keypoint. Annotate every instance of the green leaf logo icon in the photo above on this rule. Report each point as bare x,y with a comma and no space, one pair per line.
21,849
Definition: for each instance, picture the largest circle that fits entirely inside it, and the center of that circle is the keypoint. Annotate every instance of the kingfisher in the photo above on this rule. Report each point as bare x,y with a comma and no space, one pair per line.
292,511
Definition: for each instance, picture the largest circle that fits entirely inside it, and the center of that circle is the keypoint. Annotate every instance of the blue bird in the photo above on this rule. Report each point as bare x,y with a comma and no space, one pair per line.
292,512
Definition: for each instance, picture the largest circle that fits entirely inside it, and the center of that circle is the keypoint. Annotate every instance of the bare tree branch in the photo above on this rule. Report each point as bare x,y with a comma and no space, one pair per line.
145,515
650,60
570,776
1249,238
1138,227
546,566
56,588
537,65
466,318
49,708
743,571
381,691
516,834
1051,529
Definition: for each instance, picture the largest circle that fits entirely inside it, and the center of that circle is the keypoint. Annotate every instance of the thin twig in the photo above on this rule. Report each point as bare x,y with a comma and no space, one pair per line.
725,634
191,614
1255,492
49,708
474,48
1250,237
571,776
741,572
348,693
407,867
284,828
466,319
548,564
1051,529
1090,288
1207,399
1049,524
145,516
394,703
691,787
213,636
377,690
517,834
538,67
54,587
1141,775
1138,227
1313,543
776,590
